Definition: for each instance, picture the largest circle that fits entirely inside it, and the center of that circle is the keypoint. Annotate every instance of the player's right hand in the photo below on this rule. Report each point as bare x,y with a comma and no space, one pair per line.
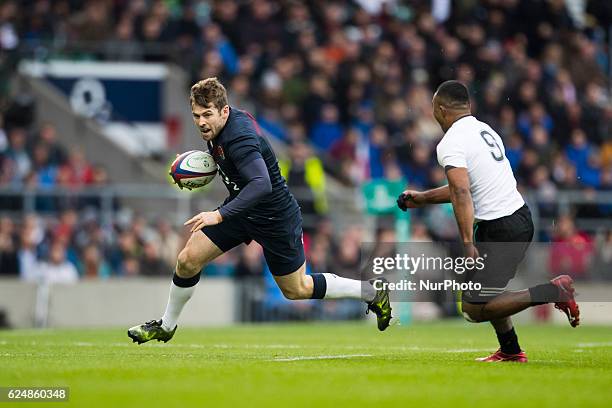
410,199
203,219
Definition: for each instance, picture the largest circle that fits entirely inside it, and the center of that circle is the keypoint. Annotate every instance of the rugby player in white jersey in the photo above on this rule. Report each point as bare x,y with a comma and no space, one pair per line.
488,209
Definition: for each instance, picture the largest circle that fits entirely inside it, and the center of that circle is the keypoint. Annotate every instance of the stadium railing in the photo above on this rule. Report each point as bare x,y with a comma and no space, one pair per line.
180,205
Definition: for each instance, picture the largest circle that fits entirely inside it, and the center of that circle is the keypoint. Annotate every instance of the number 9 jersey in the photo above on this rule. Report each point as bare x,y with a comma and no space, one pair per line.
474,145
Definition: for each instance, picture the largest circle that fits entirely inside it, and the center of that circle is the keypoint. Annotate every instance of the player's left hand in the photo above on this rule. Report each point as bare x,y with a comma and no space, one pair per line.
203,219
470,250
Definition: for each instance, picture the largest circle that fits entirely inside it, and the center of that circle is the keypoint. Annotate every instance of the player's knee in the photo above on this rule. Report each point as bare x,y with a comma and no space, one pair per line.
469,318
186,265
471,312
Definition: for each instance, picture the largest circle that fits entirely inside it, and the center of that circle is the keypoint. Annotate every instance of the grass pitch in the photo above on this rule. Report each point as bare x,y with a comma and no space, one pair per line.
313,365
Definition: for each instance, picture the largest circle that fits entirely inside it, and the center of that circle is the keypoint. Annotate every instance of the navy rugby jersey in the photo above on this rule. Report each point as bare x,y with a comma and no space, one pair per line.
239,143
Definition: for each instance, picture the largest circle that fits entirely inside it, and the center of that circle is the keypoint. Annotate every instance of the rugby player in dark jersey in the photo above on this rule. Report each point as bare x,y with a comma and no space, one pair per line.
259,207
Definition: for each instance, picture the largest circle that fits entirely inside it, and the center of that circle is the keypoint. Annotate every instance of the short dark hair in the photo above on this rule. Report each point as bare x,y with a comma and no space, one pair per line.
453,93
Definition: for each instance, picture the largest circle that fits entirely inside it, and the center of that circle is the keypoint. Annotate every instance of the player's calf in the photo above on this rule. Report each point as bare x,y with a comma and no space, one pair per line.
298,285
297,290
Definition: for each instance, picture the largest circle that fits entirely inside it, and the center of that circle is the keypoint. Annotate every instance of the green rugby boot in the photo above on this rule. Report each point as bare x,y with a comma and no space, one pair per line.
151,330
381,306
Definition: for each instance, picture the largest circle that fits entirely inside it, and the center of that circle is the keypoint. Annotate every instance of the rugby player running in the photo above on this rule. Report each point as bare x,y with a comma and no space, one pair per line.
488,209
259,207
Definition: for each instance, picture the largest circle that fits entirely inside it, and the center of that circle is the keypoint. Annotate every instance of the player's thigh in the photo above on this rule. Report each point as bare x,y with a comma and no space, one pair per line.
198,251
282,244
284,252
501,245
211,241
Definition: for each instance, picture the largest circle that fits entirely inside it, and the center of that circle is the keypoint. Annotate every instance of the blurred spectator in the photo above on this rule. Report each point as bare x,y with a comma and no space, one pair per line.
419,233
582,155
327,130
169,242
151,263
571,251
17,162
46,173
93,265
346,261
27,256
3,137
93,23
318,258
57,269
9,264
379,151
305,175
250,262
603,263
514,150
130,267
79,170
48,138
123,44
222,265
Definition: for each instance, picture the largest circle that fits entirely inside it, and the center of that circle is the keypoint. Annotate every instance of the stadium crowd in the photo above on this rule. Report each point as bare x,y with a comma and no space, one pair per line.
355,78
347,84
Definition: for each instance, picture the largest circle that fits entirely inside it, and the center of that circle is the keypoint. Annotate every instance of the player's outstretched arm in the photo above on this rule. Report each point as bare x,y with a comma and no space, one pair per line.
417,199
461,197
258,184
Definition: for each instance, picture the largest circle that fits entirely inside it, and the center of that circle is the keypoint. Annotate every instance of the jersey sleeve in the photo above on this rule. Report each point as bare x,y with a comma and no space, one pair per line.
257,186
243,149
451,153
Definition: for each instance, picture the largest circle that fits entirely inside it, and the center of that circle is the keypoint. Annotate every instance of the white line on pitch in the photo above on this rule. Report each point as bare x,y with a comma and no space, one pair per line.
279,346
336,357
595,344
258,346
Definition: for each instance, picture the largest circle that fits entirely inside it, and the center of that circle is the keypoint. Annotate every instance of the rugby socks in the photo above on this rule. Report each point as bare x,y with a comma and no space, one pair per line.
542,294
331,286
508,342
181,290
319,286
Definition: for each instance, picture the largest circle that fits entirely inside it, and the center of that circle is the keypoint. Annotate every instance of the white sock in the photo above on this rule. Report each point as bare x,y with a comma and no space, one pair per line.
176,300
339,287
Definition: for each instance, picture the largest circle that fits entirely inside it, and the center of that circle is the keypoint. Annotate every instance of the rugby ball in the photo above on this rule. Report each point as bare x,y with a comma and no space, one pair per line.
193,169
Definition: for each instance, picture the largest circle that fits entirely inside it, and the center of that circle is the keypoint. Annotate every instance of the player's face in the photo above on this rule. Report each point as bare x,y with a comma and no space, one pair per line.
209,120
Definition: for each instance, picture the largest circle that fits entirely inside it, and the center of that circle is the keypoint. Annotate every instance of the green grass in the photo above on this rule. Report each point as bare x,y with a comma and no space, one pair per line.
417,366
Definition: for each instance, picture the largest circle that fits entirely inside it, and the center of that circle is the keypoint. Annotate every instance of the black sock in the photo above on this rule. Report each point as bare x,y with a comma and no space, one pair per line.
319,286
542,294
185,282
508,342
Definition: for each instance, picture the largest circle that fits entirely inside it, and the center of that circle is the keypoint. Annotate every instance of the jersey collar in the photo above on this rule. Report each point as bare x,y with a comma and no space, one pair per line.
229,117
459,120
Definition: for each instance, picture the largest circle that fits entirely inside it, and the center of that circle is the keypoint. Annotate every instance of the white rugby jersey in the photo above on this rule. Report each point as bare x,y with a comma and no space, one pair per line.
474,145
